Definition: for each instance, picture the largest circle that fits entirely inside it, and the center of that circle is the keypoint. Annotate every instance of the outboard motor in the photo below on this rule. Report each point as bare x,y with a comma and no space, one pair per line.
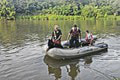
102,45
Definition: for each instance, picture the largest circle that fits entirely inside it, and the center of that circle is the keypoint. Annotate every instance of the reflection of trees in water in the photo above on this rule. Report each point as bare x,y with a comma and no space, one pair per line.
55,71
17,32
14,33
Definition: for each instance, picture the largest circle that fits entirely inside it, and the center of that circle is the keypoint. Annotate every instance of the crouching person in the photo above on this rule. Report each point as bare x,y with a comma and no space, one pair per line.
89,37
55,41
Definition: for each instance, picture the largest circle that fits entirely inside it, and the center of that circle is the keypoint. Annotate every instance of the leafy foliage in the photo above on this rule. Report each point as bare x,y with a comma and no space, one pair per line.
6,10
85,8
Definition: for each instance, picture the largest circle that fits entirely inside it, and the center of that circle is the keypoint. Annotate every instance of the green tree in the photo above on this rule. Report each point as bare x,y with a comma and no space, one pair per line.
6,10
88,11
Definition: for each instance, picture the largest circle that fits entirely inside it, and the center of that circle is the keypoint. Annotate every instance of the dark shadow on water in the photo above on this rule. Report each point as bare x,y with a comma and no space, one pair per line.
88,60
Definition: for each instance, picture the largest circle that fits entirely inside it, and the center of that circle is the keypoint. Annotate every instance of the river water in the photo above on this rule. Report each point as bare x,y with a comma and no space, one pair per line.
22,56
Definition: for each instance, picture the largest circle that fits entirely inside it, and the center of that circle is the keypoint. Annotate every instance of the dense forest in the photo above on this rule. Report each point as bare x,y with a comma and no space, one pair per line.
10,9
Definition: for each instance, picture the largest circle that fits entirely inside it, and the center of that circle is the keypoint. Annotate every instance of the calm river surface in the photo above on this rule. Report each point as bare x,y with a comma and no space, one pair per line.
22,56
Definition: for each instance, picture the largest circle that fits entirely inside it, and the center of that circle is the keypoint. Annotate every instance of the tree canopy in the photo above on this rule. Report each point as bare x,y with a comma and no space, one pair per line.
7,10
86,8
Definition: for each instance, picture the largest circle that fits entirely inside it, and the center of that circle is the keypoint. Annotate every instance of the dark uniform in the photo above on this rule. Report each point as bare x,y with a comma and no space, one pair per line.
74,41
54,42
56,34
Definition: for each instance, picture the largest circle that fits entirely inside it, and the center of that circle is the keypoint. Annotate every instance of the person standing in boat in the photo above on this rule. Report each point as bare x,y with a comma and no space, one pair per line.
89,37
55,41
74,34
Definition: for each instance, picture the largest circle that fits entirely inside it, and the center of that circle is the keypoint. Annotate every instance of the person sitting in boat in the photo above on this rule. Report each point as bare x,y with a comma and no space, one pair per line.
55,41
74,33
89,37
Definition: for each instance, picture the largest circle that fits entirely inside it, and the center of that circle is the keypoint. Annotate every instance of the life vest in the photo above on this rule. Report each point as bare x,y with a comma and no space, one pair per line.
57,41
75,32
55,35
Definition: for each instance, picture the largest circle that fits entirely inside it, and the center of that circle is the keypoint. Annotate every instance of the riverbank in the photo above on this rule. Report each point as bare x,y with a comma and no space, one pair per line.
61,17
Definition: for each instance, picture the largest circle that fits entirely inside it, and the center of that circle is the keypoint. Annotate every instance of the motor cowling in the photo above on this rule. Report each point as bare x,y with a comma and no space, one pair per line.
102,45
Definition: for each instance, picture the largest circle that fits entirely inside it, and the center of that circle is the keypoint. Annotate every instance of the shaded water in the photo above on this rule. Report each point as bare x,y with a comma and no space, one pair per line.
22,56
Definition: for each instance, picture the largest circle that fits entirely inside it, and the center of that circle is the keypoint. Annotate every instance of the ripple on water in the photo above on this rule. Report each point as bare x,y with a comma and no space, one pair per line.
21,62
26,63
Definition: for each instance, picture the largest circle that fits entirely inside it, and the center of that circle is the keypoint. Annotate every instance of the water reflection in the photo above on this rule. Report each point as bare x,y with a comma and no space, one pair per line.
17,32
54,67
88,60
72,66
73,71
59,63
56,72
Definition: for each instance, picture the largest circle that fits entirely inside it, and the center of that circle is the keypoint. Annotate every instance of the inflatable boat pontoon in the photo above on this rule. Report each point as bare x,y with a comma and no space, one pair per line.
58,53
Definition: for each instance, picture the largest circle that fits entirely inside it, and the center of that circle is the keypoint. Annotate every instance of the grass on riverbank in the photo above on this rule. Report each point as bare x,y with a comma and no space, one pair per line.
61,17
50,17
